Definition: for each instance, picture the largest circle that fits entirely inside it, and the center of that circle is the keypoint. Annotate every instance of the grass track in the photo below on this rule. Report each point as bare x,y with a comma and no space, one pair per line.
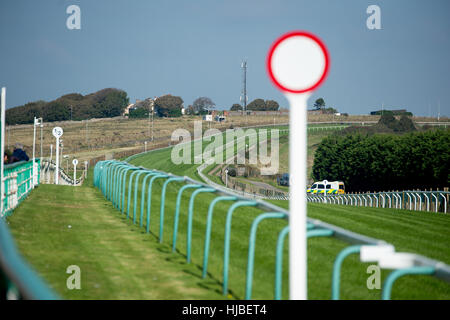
118,260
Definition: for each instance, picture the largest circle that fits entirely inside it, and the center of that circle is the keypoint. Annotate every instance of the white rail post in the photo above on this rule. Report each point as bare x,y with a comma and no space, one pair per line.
445,202
74,162
436,201
415,200
428,201
34,149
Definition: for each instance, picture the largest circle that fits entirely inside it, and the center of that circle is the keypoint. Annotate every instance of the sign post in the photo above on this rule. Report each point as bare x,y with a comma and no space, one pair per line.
85,168
297,64
74,162
57,133
37,122
226,178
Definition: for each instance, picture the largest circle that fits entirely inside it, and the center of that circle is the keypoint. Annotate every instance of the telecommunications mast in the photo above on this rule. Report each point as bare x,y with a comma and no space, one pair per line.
244,97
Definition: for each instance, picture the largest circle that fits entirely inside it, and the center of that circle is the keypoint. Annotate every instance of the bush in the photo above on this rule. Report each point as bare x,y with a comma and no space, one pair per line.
385,162
169,106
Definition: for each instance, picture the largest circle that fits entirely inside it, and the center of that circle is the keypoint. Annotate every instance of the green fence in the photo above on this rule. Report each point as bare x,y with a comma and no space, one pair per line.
17,278
113,178
18,183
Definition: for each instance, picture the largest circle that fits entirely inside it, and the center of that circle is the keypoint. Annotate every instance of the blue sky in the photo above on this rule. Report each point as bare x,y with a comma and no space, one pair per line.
194,48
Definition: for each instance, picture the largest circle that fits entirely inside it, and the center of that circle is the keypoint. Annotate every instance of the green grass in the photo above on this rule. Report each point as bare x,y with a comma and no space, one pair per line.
119,260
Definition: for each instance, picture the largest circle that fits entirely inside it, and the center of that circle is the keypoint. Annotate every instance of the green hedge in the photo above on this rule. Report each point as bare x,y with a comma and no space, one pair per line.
385,162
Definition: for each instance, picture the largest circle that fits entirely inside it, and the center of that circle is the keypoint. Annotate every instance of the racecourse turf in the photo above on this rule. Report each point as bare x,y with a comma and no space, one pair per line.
119,260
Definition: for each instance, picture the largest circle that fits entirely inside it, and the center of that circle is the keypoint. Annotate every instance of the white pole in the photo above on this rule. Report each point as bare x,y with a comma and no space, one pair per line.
297,202
226,178
51,152
153,111
34,149
74,174
42,126
439,110
2,148
57,162
297,67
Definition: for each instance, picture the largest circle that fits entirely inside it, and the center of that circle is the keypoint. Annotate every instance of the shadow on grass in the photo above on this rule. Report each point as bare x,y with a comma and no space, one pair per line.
209,283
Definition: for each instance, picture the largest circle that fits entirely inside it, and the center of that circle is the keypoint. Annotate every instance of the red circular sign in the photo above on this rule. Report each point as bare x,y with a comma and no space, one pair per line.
291,35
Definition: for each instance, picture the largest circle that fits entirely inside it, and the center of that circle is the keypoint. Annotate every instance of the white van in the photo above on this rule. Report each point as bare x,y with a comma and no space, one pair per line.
329,187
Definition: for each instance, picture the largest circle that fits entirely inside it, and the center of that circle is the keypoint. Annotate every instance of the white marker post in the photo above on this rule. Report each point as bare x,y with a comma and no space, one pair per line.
51,152
85,168
74,162
34,148
57,133
297,64
226,178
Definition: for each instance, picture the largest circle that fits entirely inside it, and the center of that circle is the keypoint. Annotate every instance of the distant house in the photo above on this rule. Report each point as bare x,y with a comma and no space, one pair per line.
148,104
128,108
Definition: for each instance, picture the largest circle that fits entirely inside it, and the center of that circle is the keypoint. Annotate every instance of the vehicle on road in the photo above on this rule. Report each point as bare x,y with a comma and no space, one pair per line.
283,180
329,187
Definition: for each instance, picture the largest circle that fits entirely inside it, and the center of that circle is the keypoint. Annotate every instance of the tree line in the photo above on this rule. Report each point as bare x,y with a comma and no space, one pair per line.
105,103
257,105
110,102
383,162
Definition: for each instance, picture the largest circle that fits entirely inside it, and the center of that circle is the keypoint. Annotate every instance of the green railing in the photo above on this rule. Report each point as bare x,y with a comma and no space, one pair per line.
112,178
18,183
17,278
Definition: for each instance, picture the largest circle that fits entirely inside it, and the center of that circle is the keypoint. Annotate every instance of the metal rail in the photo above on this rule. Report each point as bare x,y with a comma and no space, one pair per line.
111,178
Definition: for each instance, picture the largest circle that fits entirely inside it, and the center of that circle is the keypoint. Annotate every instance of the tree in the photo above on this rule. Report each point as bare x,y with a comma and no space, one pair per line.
138,113
169,106
113,104
319,104
257,105
56,111
203,105
261,105
236,107
272,105
385,162
405,124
